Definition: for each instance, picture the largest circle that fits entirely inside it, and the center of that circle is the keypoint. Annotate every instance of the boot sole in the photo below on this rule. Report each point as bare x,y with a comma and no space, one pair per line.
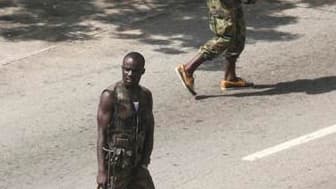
236,88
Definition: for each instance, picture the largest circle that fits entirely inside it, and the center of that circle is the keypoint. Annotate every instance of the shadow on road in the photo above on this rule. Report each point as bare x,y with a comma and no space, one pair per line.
48,20
308,86
178,23
186,25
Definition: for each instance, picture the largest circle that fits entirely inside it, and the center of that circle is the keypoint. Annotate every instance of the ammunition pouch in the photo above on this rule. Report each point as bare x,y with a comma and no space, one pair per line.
119,159
119,153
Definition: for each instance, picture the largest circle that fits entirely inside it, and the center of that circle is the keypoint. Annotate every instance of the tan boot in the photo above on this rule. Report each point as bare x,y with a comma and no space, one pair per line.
240,83
186,80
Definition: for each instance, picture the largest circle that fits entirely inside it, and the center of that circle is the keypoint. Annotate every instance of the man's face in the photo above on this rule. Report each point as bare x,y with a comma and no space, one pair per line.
132,72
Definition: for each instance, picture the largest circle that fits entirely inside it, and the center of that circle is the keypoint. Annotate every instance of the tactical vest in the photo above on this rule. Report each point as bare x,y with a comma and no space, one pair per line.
125,136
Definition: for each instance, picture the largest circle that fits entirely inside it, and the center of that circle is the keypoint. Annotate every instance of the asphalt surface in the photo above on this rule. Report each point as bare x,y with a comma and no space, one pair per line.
55,60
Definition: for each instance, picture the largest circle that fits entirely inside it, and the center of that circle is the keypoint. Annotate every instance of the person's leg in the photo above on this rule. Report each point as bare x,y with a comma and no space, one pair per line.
185,72
237,44
220,24
122,180
141,180
231,80
193,64
230,69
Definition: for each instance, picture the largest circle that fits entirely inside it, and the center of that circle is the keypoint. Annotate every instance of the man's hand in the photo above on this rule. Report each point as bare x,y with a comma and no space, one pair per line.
249,1
101,178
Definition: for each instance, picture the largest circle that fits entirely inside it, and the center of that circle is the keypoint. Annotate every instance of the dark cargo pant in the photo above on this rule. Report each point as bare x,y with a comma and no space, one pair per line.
227,22
139,178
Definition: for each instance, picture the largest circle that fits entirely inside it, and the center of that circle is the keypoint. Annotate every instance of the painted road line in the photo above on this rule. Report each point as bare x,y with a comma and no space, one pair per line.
289,144
11,60
5,62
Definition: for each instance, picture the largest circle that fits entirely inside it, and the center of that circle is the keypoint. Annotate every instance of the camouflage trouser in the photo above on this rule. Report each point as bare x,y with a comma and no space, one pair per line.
228,24
140,178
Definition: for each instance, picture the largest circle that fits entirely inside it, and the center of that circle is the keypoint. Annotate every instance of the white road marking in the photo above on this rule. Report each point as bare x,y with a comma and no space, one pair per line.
15,59
5,62
291,143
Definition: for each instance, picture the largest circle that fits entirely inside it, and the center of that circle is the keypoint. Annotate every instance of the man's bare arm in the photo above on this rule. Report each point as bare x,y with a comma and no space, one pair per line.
104,116
149,140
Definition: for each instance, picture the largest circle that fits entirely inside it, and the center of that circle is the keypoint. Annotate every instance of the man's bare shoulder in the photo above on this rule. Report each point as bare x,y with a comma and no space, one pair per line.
112,87
146,91
108,93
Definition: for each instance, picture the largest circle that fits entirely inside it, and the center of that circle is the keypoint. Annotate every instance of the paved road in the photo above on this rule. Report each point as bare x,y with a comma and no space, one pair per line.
51,77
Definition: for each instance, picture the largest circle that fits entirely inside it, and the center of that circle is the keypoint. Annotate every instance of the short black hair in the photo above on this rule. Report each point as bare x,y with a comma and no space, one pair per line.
136,57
